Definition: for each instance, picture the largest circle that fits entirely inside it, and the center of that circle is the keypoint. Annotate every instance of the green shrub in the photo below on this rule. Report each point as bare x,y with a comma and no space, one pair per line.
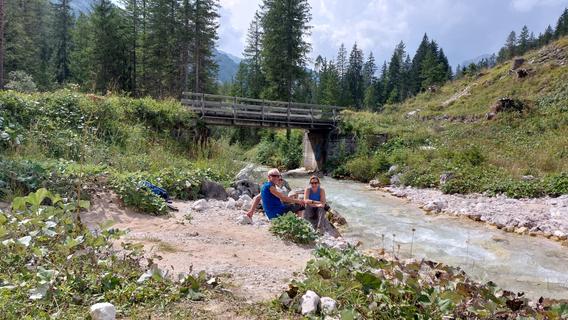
366,287
517,188
290,227
21,81
47,255
20,177
420,178
361,168
130,190
276,150
470,155
556,185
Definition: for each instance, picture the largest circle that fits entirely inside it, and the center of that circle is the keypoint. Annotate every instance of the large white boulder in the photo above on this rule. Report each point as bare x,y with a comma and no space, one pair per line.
200,205
309,303
246,172
327,305
103,311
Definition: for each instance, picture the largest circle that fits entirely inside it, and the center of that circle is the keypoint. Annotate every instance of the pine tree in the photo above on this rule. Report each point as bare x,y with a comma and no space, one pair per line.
27,43
1,44
381,84
458,71
110,54
62,34
431,70
547,36
240,83
253,58
406,78
523,41
354,76
445,67
205,22
132,35
342,63
511,45
162,47
394,76
532,43
284,48
81,61
369,70
416,69
562,25
329,83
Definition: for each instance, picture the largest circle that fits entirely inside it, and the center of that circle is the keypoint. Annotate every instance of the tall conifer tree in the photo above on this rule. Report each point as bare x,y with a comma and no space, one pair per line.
63,26
1,44
284,50
205,22
355,77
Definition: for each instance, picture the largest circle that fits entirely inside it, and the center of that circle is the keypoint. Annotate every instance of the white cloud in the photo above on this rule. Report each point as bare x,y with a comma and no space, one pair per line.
463,28
528,5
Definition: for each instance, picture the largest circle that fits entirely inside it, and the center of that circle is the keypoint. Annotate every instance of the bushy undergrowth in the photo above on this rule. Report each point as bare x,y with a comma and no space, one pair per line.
290,227
369,288
53,266
180,184
276,150
520,154
66,141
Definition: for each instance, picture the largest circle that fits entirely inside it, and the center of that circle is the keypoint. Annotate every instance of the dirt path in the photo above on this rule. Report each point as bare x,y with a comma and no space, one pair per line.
254,264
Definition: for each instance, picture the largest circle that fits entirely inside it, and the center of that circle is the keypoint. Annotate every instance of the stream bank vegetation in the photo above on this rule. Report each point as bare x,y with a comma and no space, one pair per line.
367,287
53,266
73,143
451,132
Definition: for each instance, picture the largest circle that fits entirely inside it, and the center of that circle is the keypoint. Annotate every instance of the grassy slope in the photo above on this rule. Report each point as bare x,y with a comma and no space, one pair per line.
510,146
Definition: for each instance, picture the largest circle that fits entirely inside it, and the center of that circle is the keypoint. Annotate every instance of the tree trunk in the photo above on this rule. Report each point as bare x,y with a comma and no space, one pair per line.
134,47
197,57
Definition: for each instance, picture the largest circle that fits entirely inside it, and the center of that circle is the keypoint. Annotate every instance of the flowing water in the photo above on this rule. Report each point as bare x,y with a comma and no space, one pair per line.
536,266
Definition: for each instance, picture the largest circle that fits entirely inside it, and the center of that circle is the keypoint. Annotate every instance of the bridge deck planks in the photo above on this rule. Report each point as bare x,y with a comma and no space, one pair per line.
224,110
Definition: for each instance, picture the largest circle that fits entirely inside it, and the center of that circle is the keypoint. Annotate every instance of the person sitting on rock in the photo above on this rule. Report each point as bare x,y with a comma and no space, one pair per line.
281,186
316,208
273,200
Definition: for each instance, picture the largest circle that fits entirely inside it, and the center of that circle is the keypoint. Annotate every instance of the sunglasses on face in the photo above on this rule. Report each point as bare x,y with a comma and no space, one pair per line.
314,182
275,175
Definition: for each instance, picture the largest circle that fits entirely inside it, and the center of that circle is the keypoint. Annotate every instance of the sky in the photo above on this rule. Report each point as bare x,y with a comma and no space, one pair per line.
464,29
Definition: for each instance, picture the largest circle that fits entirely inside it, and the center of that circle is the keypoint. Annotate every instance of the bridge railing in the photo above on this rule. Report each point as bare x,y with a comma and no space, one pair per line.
259,109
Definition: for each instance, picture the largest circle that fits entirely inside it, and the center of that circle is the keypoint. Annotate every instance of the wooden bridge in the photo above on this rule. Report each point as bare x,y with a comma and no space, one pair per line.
245,112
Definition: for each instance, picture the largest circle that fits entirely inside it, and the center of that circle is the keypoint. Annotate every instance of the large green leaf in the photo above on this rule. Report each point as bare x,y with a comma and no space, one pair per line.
368,280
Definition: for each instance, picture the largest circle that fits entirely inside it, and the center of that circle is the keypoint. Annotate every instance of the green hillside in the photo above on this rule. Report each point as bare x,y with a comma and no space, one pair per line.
448,130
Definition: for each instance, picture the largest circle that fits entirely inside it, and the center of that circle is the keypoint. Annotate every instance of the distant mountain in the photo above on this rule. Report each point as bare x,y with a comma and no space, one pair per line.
81,6
228,66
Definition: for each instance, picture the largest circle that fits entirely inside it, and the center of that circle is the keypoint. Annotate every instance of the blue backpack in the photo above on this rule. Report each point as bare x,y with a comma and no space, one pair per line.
156,190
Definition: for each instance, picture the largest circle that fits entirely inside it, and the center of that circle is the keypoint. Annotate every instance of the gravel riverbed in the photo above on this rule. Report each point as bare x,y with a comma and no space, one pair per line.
546,217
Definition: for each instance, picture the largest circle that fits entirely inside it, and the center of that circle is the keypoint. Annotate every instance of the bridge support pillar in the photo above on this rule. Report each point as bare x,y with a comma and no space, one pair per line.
315,149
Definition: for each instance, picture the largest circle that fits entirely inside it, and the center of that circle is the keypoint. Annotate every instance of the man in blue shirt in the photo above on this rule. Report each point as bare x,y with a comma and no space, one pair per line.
273,201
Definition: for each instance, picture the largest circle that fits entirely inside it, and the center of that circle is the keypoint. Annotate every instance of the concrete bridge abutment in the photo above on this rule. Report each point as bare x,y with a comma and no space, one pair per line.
315,149
321,146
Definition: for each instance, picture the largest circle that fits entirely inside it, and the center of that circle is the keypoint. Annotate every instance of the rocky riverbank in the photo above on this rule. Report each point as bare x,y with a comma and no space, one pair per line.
547,217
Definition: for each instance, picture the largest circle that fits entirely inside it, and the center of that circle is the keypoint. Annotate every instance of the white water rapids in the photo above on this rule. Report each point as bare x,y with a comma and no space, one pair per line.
536,266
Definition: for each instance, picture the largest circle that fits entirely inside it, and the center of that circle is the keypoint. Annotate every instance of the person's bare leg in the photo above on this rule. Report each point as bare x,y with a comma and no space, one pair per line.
255,202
